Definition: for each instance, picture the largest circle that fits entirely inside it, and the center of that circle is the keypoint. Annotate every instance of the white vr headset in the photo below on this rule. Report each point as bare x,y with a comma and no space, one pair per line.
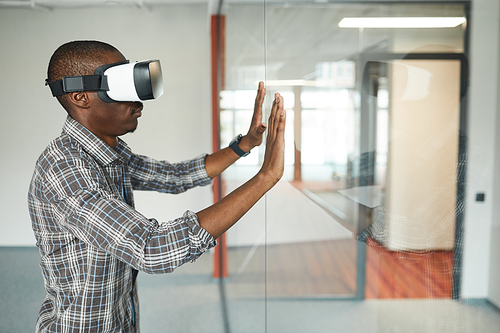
118,82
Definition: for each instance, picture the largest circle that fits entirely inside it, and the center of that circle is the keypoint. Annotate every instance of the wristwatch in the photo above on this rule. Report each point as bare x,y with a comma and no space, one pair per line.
234,146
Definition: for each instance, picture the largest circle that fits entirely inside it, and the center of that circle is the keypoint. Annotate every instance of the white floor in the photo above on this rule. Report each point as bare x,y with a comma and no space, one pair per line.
418,316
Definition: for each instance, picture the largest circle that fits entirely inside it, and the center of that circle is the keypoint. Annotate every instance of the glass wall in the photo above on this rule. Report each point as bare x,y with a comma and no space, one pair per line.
244,65
370,205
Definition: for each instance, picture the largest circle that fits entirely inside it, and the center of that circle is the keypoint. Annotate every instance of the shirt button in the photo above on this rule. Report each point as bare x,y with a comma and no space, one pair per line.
119,162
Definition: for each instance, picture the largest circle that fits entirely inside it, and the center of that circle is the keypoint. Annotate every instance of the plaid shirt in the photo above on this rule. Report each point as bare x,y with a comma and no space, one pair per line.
91,239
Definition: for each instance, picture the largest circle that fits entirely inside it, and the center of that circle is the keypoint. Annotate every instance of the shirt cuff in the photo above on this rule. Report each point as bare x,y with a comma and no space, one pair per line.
201,238
202,177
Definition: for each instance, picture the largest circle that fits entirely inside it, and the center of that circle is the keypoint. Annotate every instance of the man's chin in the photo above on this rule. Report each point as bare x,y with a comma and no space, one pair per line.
131,130
134,127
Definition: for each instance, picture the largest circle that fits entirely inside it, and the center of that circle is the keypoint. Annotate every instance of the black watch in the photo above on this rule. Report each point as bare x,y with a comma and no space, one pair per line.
234,146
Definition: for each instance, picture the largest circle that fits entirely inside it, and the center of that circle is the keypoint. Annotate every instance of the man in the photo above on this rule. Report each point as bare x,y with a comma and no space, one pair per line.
91,239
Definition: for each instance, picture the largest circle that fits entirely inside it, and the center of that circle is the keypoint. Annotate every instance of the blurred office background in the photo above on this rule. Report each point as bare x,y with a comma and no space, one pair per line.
387,216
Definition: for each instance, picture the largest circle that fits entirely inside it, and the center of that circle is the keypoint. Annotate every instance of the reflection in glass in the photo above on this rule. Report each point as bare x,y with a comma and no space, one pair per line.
367,206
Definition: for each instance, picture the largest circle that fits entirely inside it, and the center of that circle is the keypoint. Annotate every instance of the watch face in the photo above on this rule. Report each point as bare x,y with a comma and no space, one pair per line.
237,138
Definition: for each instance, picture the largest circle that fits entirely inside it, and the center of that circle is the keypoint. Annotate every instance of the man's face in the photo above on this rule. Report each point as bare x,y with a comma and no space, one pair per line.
112,119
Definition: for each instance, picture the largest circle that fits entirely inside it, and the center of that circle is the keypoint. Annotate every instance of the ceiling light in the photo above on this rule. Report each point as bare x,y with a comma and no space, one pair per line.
298,83
401,22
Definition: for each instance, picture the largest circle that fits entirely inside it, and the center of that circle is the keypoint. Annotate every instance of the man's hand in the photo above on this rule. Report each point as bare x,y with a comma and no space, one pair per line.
257,128
217,162
274,157
219,217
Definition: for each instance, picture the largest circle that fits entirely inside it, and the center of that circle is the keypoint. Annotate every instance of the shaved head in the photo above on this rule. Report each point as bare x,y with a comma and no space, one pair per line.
77,58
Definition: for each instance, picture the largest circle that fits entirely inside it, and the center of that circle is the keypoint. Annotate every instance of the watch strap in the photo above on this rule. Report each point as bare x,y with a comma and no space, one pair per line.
234,146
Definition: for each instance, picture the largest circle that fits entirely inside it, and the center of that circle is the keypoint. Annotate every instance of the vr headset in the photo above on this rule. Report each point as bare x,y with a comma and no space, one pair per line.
118,82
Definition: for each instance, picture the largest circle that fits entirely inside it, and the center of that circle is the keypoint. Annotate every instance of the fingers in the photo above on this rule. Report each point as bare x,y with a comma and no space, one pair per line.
257,112
259,98
261,92
280,116
282,120
279,106
277,112
276,109
277,117
273,164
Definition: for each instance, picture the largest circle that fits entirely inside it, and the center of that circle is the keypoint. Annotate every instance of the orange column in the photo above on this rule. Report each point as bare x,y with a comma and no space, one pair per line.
218,34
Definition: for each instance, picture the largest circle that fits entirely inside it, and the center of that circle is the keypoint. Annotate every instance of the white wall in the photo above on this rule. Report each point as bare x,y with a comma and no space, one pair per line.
482,131
423,153
175,127
494,260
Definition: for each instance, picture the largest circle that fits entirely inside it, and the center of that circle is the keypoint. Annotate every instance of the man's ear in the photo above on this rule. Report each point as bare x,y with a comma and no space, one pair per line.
79,99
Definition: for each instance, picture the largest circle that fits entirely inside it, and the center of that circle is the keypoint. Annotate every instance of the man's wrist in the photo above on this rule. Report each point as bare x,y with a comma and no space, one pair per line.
245,144
236,145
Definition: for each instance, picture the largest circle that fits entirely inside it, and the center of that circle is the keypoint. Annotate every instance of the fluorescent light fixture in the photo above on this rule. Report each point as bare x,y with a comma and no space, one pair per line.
297,83
401,22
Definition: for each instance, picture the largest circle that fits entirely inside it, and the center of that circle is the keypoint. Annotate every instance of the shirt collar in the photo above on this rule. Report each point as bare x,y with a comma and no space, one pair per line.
94,146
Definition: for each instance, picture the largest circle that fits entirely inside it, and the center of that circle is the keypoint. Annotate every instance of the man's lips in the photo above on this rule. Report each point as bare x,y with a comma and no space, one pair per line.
137,112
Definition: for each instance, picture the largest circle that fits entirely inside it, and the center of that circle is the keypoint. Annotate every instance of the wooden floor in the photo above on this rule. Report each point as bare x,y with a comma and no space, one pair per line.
391,274
329,268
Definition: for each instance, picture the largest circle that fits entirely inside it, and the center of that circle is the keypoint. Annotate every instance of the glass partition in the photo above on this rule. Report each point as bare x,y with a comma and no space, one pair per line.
244,58
371,202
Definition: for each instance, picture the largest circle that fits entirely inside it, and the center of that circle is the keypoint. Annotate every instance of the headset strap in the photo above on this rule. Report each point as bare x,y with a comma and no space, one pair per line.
98,81
78,83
